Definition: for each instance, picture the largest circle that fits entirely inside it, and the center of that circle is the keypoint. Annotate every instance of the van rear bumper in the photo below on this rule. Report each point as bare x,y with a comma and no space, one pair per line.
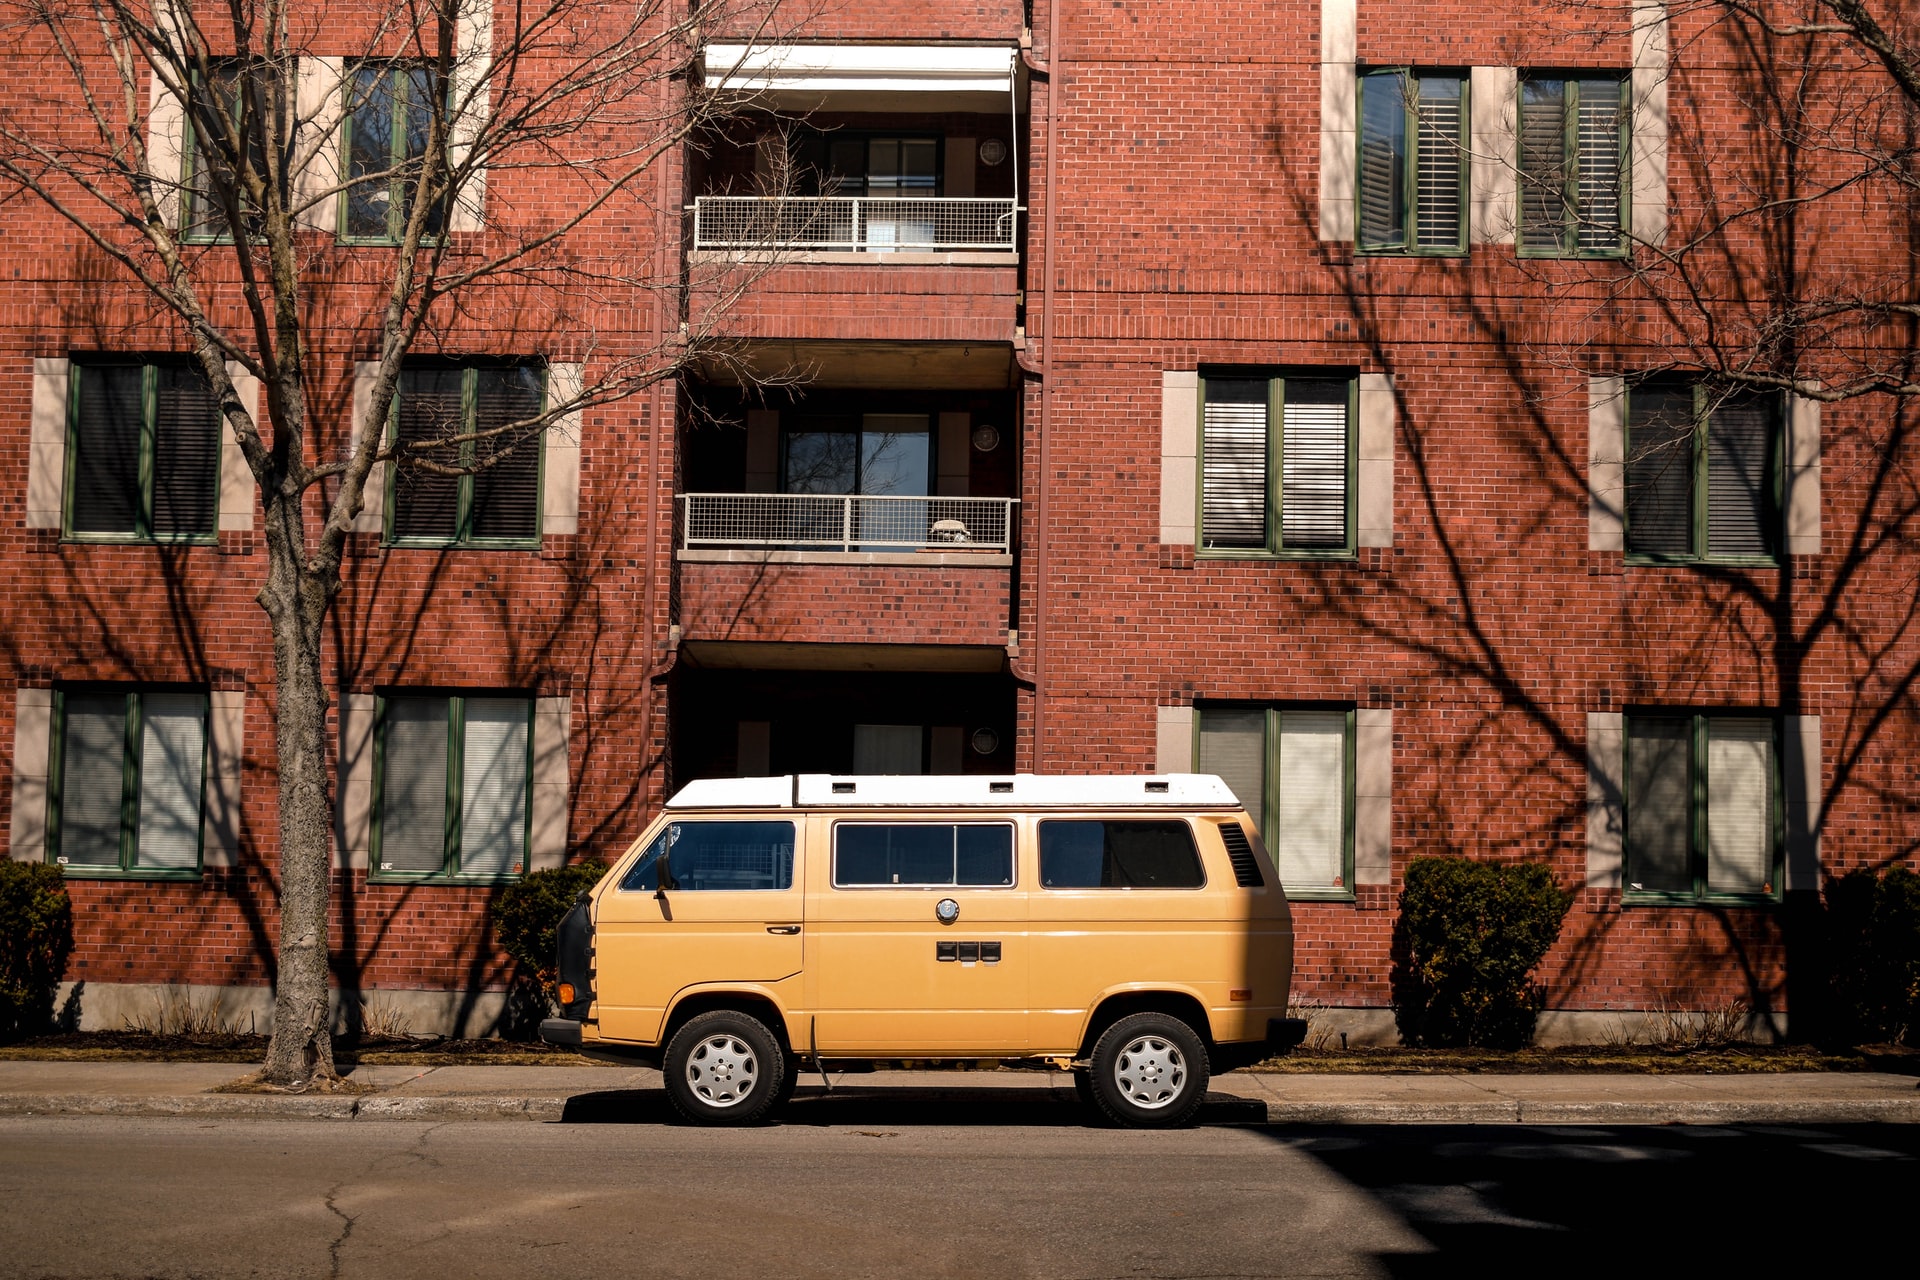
1285,1033
1282,1034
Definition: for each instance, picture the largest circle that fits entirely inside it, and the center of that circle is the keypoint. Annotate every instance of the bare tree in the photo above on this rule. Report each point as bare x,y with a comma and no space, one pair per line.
195,146
1795,125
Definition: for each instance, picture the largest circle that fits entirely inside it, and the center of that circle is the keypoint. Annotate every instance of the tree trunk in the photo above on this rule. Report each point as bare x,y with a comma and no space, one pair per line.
296,604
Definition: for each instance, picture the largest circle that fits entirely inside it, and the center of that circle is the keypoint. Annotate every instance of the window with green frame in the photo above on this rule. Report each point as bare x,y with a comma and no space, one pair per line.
1573,143
143,453
452,784
1413,162
1276,492
389,119
229,98
1293,770
128,777
1703,815
1704,474
492,497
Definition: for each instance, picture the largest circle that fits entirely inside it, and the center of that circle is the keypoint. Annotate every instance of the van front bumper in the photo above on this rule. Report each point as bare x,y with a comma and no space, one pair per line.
561,1031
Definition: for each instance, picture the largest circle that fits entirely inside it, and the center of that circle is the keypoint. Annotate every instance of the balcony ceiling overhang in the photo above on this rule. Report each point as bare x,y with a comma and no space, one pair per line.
865,77
774,655
866,366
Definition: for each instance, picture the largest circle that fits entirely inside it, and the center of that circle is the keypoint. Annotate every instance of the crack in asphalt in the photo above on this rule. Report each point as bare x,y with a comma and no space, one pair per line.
346,1230
414,1151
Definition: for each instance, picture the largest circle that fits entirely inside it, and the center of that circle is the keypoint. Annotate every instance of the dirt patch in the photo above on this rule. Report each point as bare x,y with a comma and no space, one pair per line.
1593,1059
333,1087
141,1046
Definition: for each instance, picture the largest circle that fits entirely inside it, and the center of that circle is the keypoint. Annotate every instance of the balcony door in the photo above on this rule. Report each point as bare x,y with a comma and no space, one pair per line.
884,456
895,177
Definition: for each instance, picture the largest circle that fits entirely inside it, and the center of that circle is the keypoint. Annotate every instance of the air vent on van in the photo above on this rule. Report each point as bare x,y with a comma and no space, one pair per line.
1246,868
1000,788
843,788
1156,788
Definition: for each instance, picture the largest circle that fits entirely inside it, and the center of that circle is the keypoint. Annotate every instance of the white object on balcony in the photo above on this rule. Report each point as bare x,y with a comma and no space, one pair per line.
833,68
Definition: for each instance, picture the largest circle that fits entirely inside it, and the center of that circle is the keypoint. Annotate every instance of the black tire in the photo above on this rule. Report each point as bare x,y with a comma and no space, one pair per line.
725,1068
1149,1072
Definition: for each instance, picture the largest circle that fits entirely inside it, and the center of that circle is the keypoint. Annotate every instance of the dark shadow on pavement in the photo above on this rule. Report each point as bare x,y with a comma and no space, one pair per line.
1652,1200
866,1107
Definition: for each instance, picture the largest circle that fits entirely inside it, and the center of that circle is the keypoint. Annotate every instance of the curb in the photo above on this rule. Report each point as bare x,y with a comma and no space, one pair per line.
268,1107
552,1109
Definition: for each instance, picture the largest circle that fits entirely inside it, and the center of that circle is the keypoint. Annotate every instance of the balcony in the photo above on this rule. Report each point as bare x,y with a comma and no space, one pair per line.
855,224
847,528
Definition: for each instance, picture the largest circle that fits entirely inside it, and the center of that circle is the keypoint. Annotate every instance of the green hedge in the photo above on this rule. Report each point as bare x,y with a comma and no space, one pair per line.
36,937
1470,936
526,915
1873,935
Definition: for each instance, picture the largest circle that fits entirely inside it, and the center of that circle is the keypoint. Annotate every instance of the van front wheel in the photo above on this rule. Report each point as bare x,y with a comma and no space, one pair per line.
724,1067
1149,1072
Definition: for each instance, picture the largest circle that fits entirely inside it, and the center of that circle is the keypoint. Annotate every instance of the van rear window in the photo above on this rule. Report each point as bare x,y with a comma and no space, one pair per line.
924,854
1125,854
717,855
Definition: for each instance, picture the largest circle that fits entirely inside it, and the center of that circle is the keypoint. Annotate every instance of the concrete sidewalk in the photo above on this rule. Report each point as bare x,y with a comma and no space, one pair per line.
603,1094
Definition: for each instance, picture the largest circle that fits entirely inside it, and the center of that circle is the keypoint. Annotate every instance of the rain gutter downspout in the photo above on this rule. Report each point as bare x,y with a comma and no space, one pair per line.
1037,671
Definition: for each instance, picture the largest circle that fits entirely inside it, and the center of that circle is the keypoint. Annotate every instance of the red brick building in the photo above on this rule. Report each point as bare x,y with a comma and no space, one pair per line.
1286,391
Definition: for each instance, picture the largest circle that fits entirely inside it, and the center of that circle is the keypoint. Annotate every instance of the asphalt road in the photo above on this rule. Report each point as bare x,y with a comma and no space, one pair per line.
991,1187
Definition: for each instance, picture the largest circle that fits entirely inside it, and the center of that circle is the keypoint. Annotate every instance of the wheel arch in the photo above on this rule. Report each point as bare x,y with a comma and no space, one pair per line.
758,1003
1173,1001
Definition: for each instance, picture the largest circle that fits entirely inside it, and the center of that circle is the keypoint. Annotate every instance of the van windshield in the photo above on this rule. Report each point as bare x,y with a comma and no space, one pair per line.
717,855
1124,854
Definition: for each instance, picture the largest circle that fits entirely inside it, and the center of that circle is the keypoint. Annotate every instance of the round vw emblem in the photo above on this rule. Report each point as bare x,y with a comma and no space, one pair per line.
947,911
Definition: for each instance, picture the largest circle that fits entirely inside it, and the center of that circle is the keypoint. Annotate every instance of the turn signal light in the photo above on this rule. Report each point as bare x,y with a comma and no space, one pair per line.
1236,993
566,993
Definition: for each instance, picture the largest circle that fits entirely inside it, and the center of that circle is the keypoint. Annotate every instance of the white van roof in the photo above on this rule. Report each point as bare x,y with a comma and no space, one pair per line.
983,791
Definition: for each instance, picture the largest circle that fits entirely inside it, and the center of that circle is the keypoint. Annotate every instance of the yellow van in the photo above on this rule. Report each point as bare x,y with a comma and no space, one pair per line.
1129,929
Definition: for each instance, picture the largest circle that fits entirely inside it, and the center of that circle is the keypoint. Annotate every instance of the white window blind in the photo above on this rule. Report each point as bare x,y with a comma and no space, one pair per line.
493,788
1543,163
1313,499
1739,498
1233,481
1739,805
1660,436
1438,158
93,779
1598,130
413,790
1309,835
1233,746
173,740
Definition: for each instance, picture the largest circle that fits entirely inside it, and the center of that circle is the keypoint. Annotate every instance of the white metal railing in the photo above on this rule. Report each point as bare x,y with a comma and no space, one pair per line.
844,522
866,224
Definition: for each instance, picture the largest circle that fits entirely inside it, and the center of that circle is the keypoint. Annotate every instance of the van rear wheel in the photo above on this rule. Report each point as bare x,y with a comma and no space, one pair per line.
725,1067
1149,1072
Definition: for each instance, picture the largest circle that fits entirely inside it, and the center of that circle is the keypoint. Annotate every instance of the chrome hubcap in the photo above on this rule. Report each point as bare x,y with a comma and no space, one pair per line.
722,1071
1150,1072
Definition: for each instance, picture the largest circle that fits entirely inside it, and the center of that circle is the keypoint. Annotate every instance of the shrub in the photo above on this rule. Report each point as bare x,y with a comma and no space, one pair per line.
36,936
1873,932
1471,935
526,915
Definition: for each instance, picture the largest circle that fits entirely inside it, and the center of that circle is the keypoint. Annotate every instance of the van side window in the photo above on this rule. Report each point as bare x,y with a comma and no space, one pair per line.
717,855
922,854
1119,855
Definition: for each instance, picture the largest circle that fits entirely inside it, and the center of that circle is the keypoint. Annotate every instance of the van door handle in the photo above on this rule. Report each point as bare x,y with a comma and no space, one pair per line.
783,928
